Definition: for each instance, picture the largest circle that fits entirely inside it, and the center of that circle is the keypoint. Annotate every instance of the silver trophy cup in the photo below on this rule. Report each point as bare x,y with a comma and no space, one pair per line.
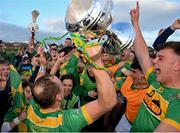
33,26
95,16
118,38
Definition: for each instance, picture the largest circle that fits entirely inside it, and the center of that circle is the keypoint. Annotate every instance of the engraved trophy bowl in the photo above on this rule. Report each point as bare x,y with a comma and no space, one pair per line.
118,38
89,15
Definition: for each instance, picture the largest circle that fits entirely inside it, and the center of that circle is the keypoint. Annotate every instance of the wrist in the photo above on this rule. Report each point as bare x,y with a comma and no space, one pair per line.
172,28
135,22
59,62
42,69
16,120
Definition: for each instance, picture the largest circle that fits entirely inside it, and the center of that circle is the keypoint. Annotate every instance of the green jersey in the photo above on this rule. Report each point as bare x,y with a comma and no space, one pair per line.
88,84
71,67
39,120
85,80
160,104
69,102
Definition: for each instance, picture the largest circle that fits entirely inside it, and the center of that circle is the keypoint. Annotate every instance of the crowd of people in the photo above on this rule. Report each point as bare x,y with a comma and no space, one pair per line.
59,91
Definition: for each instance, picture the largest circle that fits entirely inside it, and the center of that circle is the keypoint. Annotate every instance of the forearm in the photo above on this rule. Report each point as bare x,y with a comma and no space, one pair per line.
31,43
161,39
141,49
106,91
55,67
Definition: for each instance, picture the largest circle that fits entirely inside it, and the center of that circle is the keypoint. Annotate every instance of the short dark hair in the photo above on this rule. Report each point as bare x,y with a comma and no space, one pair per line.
26,83
175,46
152,52
66,49
136,65
45,96
68,38
53,44
103,51
68,76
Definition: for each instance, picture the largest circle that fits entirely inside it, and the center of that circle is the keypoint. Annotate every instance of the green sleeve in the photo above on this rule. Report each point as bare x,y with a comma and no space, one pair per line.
80,91
73,62
128,64
71,67
173,114
83,92
74,120
117,60
151,77
119,83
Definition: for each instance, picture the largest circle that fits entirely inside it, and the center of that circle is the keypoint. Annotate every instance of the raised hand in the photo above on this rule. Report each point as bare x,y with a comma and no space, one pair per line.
40,49
135,13
176,24
61,57
42,59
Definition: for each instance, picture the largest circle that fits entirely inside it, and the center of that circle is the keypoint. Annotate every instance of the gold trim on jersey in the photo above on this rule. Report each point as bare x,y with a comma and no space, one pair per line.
155,103
50,122
86,115
151,69
172,123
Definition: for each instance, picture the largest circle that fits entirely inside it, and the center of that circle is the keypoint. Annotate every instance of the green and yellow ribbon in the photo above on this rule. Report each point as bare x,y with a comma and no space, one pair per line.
82,46
43,44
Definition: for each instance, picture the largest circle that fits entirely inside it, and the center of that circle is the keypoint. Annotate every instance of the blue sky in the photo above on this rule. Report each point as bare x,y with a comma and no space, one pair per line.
19,11
15,15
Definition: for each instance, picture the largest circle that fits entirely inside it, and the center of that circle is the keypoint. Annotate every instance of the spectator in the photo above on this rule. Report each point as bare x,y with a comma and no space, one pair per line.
70,99
5,90
133,89
68,42
54,46
12,119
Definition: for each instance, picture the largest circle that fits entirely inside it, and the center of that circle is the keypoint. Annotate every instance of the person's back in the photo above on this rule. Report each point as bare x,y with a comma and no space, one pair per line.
48,94
56,121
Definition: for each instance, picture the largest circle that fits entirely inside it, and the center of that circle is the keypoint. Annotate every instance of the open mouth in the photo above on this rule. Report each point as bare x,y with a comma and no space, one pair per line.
157,70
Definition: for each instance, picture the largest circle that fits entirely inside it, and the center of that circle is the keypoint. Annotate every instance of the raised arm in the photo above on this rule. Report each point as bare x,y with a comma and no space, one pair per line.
43,62
106,94
161,39
57,64
31,42
140,46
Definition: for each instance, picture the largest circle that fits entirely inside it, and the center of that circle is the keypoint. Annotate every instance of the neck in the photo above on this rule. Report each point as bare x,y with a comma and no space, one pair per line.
53,108
174,82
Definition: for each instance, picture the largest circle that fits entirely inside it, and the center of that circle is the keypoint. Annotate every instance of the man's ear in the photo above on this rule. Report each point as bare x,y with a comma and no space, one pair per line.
59,97
177,66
